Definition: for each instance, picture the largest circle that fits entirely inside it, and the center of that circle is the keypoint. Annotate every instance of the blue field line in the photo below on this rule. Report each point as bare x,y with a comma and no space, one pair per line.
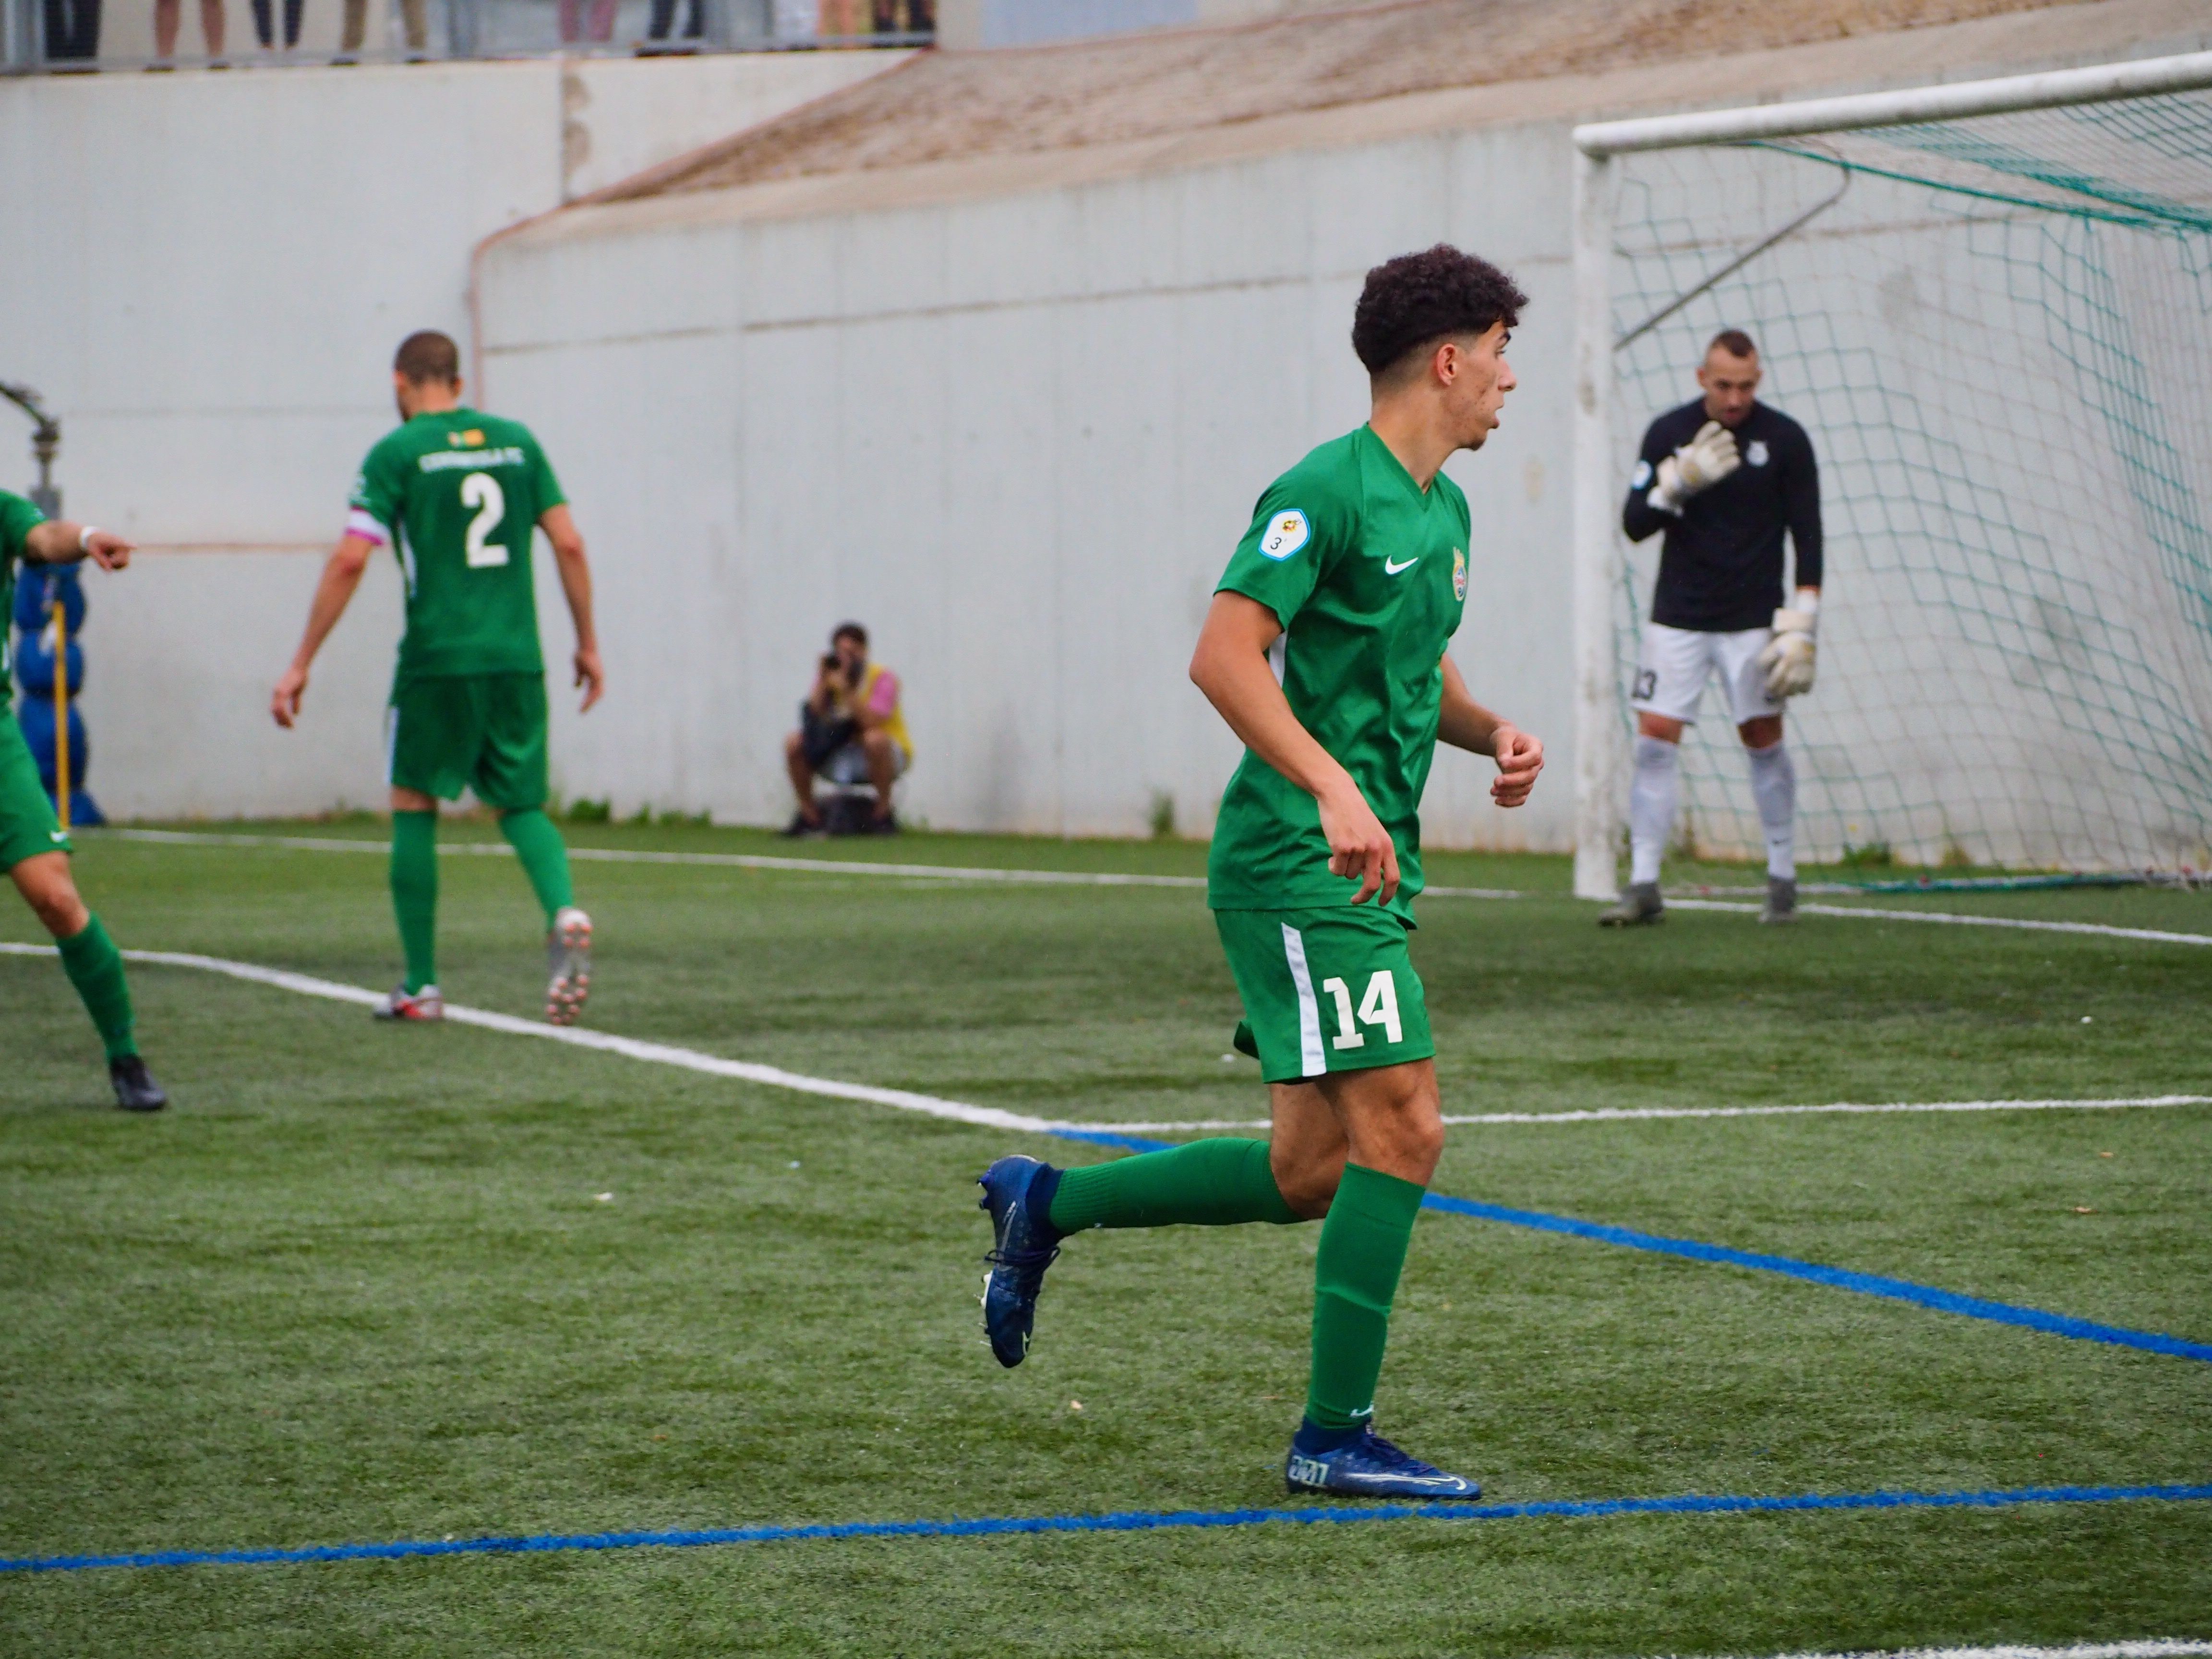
1120,1521
1897,1290
1841,1279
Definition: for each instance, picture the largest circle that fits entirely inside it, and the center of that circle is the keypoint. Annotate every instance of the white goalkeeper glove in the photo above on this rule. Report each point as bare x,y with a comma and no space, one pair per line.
1788,658
1697,466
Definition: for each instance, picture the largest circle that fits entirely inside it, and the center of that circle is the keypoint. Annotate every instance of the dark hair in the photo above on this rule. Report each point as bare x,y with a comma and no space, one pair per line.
1417,299
427,355
1735,341
852,630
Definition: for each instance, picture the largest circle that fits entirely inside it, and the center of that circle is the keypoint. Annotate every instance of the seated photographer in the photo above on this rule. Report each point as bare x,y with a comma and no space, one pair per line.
850,732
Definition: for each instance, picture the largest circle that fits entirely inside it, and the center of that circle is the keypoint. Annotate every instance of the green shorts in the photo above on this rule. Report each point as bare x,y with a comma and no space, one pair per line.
447,732
1325,990
28,824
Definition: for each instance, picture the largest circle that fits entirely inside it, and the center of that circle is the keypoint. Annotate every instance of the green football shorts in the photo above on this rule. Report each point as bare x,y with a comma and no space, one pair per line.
447,733
1325,990
28,824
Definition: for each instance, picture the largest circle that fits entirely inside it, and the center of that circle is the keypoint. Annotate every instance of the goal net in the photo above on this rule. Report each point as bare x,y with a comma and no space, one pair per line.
1997,328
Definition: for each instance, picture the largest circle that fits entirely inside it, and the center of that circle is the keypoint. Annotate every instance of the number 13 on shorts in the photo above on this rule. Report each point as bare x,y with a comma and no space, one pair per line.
1379,1006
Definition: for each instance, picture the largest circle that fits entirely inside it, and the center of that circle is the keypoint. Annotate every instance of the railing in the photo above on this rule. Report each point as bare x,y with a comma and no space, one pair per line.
84,36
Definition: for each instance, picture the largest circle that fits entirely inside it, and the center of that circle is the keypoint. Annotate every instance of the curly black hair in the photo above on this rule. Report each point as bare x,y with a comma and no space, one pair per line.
1418,299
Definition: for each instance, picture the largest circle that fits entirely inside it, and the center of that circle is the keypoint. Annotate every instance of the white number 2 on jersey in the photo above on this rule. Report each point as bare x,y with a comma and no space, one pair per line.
1378,1007
482,491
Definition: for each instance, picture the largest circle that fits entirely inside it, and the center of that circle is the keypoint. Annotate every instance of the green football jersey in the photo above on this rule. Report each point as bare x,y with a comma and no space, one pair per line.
459,497
1368,575
17,517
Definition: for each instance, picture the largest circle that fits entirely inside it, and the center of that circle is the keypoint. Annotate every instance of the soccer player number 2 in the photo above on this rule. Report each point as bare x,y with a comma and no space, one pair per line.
1378,1007
482,491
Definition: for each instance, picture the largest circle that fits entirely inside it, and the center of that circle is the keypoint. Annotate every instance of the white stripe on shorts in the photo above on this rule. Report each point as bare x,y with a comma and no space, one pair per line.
1311,1053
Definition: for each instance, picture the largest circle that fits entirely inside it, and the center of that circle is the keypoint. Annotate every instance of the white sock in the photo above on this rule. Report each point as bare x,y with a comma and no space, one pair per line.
1652,806
1774,787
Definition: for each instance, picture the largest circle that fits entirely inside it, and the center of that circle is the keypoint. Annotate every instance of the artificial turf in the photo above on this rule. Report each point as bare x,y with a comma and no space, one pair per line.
361,1283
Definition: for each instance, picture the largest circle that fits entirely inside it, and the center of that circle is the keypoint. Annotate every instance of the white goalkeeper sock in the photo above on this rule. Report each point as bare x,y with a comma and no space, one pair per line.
1651,805
1774,787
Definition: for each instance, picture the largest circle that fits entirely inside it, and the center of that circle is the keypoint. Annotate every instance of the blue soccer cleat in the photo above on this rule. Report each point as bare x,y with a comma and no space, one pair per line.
1024,1247
1371,1466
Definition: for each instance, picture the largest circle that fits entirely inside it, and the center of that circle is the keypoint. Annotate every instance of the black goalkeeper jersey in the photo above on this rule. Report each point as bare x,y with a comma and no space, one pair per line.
1720,568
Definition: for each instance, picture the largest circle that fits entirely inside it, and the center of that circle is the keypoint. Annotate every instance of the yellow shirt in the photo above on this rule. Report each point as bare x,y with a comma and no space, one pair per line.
878,693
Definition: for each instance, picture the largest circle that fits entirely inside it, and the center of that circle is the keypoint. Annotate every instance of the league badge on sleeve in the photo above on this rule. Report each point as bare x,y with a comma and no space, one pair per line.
1286,532
1459,575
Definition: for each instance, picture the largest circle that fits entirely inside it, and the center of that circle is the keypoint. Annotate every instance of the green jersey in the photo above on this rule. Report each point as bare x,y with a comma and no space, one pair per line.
1367,574
17,518
459,497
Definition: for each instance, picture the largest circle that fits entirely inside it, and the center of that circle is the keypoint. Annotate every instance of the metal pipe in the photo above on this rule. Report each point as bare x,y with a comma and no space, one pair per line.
2186,72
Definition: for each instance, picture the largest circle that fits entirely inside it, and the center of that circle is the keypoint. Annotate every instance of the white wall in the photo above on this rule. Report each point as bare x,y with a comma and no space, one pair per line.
207,278
1018,437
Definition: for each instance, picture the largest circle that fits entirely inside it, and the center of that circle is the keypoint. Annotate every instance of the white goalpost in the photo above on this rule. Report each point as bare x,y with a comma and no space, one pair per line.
1991,305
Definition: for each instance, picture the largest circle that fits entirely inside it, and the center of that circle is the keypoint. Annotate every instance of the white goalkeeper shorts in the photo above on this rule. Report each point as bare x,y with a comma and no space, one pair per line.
1674,664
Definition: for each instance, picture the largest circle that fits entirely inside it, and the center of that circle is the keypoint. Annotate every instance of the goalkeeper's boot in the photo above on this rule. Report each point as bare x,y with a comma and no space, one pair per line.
135,1088
426,1003
1018,1193
1368,1466
1637,906
568,955
1781,900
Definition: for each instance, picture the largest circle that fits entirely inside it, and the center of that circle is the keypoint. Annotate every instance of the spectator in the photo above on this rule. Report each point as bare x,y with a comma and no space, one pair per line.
664,19
589,21
850,731
265,23
72,31
168,15
412,17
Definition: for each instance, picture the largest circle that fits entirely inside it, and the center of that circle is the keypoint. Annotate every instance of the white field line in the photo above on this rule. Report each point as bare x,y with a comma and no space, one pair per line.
2163,1649
660,1053
1074,879
1866,914
691,1060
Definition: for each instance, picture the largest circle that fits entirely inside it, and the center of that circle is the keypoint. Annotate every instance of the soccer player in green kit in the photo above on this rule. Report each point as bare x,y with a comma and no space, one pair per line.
459,495
1324,651
35,850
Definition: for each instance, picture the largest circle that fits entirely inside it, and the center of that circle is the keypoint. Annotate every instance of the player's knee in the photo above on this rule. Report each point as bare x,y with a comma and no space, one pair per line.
1761,733
1306,1181
1659,726
876,743
58,908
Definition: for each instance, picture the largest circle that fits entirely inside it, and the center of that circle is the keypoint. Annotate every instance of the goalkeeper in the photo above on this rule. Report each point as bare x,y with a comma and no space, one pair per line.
1723,476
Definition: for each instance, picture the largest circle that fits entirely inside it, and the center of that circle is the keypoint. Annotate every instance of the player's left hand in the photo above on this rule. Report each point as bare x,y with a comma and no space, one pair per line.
1520,757
590,675
107,549
1789,657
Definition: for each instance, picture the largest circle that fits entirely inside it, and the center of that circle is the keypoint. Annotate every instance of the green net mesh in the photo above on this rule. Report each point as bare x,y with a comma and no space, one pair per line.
1999,333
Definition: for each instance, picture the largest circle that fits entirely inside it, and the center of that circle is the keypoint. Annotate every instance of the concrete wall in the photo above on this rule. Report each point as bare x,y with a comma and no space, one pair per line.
207,277
1018,438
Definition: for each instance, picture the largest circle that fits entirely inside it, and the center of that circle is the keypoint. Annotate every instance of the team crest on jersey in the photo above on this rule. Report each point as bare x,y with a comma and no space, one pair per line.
1459,575
1286,532
1756,454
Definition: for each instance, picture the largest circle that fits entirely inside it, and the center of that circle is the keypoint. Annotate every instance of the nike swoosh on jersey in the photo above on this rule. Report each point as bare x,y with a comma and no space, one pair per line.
1389,569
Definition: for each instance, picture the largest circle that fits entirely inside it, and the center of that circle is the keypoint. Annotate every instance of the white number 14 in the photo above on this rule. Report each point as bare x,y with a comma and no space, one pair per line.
1378,1007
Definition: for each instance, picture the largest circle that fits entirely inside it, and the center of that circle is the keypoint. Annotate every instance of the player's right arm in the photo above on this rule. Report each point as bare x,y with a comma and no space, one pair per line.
1231,666
341,576
1639,519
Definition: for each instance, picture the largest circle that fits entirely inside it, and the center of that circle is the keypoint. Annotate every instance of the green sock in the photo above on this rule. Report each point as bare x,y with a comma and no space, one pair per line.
1363,1247
545,858
94,966
415,893
1206,1183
